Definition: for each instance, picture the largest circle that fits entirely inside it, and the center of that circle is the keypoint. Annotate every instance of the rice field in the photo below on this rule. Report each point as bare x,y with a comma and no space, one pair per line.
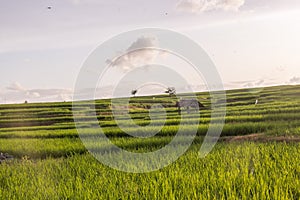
257,156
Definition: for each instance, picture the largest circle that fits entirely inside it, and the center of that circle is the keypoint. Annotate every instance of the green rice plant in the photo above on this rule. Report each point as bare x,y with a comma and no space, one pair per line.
230,171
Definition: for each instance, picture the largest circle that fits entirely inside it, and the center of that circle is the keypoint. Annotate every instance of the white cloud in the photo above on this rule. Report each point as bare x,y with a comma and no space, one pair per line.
15,87
257,83
294,80
65,96
196,6
137,54
51,94
35,94
16,93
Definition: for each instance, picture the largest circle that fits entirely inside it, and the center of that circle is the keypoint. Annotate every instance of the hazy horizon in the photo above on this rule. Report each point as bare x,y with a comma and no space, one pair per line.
254,91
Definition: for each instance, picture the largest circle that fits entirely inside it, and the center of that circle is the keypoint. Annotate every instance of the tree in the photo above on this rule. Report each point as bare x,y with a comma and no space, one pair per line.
171,91
133,92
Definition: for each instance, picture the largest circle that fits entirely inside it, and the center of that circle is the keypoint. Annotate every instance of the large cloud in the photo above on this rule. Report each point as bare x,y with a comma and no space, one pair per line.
137,54
195,6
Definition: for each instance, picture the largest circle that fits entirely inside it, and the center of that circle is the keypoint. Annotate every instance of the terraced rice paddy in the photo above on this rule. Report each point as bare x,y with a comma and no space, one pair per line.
257,156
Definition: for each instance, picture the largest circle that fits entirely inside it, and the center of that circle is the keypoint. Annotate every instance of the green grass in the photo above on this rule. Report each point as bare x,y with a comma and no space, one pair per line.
52,163
231,171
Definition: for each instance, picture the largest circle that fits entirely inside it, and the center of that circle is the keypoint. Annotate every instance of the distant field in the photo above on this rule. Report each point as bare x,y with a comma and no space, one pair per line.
257,156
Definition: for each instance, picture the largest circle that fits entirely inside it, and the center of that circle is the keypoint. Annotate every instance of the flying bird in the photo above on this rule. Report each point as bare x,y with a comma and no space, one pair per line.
49,7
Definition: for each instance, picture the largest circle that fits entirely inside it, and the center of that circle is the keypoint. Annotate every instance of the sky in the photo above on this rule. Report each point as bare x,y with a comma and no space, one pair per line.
253,43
